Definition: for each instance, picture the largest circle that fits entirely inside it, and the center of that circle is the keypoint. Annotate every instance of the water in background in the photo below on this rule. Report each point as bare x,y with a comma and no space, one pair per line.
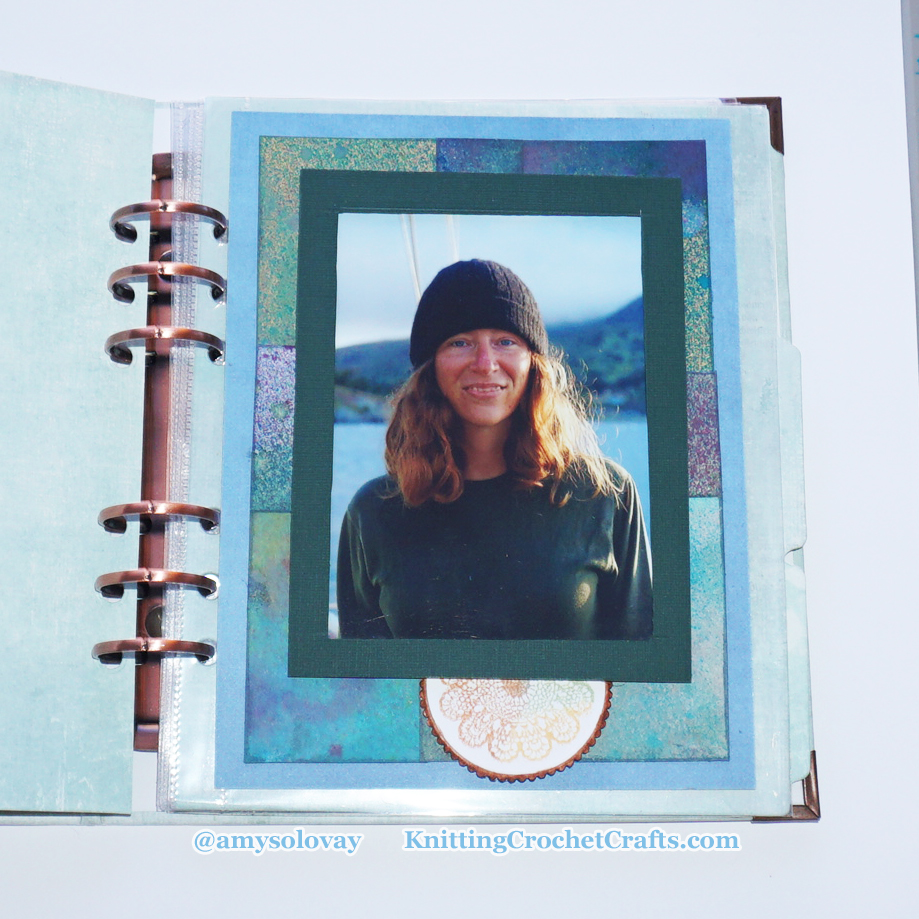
358,457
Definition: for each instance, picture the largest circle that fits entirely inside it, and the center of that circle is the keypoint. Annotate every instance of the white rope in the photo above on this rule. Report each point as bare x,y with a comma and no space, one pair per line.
411,250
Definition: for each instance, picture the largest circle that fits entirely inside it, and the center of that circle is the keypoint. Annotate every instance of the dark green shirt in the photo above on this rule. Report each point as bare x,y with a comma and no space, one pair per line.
498,563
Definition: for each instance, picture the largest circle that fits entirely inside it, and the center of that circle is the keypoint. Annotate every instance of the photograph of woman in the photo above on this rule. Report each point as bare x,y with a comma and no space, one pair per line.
499,517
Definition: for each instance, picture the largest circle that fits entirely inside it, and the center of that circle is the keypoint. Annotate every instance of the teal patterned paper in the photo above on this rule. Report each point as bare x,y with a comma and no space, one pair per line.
647,723
681,721
704,452
312,720
282,158
273,433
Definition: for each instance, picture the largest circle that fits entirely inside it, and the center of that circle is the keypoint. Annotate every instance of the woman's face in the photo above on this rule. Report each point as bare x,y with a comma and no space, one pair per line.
483,374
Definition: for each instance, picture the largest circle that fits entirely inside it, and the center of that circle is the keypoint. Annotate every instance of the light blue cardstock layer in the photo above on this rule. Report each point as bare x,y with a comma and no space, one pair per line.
71,439
735,770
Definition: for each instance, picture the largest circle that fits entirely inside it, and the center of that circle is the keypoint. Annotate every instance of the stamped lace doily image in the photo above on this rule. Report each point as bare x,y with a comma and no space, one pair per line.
516,730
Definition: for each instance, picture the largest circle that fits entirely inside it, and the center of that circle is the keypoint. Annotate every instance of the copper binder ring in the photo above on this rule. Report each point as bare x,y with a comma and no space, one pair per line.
111,652
112,585
120,220
119,281
117,346
115,519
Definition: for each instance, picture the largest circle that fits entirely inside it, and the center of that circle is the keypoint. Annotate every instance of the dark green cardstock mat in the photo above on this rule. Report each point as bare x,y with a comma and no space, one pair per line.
327,194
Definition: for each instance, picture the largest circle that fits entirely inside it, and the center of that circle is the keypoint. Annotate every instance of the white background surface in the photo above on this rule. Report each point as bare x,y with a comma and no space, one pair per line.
838,68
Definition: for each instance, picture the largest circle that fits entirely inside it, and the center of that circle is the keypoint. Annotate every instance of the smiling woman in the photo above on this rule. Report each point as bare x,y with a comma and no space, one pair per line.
500,518
483,374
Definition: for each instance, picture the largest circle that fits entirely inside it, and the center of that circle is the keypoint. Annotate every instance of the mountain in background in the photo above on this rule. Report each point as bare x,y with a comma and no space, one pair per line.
607,356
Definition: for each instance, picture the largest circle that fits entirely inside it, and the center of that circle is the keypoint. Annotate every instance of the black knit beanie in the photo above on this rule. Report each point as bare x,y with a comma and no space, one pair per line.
474,295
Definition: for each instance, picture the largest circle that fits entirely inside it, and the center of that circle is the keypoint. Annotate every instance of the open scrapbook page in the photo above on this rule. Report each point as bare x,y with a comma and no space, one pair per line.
498,413
650,241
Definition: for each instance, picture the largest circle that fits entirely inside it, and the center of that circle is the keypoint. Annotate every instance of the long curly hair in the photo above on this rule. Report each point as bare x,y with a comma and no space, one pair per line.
552,443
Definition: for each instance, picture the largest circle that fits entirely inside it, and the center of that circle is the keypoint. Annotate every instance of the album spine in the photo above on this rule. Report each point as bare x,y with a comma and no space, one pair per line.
154,509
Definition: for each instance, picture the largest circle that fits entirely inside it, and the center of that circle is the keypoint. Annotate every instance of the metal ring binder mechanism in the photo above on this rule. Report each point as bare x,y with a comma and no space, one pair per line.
115,519
152,578
162,269
111,586
115,345
111,652
121,227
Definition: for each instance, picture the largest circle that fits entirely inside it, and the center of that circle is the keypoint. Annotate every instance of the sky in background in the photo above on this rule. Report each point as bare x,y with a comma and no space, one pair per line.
577,267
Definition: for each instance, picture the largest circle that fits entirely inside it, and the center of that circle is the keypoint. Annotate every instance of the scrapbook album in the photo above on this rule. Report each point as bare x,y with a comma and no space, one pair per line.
451,453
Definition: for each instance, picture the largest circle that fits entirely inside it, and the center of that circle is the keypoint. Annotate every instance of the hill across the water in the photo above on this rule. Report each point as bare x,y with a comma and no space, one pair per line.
606,354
